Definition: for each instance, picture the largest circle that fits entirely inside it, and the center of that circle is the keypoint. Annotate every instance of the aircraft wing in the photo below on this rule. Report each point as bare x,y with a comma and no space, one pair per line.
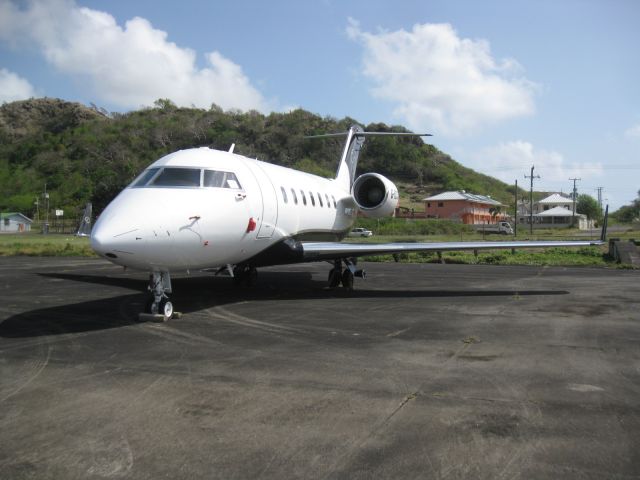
331,250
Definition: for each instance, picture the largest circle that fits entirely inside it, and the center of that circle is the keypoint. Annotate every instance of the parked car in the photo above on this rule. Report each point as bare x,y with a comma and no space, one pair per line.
360,232
503,228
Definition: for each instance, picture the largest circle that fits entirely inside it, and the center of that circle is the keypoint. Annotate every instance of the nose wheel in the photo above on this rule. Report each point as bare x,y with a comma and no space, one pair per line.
158,303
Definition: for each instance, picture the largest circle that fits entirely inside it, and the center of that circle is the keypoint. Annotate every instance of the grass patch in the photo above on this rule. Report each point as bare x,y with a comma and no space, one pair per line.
585,257
33,244
38,245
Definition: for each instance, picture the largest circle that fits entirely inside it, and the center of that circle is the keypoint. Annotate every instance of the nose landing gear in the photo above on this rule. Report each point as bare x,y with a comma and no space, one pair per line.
158,303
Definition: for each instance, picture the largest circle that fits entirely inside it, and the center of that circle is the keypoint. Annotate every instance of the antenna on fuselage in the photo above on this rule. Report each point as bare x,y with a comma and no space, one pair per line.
232,147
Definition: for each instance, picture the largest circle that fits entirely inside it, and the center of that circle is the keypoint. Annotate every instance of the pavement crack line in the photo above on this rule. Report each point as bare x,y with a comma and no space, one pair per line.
30,379
357,446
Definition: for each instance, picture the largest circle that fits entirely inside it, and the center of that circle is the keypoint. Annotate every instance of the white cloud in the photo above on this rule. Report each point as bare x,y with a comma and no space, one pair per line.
510,160
130,65
13,87
441,81
633,132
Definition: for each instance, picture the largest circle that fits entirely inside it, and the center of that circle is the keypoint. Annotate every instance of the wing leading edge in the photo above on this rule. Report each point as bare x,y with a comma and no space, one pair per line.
331,250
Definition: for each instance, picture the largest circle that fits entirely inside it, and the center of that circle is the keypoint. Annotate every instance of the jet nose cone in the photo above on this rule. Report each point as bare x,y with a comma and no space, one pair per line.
115,230
99,240
104,239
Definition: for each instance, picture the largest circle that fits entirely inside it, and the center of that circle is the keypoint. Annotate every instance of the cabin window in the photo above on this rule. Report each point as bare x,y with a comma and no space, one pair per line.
428,204
284,195
295,197
327,199
177,177
320,200
441,204
304,198
313,200
218,179
334,201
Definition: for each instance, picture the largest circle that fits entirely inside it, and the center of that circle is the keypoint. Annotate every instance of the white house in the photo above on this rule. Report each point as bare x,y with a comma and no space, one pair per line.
14,222
554,211
553,201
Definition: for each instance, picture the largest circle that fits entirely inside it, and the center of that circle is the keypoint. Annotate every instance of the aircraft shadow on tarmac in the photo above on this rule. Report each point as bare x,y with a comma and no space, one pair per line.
193,294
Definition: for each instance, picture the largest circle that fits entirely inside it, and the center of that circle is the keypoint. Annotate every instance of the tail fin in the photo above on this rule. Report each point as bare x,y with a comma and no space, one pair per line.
605,220
84,229
346,173
353,146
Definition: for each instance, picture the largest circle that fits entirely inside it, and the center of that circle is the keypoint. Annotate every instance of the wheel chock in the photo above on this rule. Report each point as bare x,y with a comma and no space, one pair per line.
152,317
157,317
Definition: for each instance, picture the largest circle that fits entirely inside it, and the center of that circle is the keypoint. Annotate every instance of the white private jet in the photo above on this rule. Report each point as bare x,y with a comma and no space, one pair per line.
200,208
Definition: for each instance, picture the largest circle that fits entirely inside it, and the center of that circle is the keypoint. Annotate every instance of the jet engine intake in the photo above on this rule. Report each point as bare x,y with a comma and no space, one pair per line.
375,195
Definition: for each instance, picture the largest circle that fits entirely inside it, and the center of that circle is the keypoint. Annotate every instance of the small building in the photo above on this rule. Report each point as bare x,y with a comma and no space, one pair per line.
554,211
557,217
553,201
464,207
14,222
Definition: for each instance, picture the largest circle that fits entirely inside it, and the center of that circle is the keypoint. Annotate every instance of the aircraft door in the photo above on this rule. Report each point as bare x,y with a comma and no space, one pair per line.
269,201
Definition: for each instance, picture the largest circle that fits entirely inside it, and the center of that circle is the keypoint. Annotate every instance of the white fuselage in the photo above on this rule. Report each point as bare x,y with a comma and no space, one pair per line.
180,217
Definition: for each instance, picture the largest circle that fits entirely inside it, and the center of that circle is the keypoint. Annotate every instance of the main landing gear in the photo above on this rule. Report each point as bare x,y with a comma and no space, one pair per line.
158,302
245,275
337,275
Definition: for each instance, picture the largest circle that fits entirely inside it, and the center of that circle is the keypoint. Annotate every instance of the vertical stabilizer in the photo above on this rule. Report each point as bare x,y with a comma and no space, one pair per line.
352,148
349,161
84,229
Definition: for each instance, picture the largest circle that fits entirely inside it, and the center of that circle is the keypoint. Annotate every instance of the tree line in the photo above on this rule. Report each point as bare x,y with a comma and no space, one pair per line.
87,154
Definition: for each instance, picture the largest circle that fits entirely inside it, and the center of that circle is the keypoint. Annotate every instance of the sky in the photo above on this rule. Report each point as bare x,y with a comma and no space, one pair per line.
503,85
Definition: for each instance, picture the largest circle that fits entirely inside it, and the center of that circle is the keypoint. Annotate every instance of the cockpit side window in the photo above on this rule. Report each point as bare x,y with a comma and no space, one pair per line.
144,177
218,179
177,177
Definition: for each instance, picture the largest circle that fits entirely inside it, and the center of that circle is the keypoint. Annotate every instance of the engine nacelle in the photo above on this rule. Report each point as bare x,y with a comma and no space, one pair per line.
375,195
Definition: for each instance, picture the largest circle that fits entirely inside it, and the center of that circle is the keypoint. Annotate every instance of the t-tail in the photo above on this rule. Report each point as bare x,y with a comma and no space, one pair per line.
356,135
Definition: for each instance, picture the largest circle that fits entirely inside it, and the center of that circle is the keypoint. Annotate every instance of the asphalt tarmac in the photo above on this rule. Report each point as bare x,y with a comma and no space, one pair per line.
424,371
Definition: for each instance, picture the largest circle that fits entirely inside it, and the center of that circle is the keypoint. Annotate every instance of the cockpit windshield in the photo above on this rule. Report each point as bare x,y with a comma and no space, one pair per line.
177,177
186,177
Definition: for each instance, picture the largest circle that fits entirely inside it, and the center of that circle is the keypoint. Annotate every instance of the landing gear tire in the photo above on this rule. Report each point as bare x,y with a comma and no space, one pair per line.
165,308
347,279
335,277
245,276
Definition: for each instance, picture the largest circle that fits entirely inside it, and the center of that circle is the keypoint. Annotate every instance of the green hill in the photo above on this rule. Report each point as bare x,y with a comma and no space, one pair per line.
84,154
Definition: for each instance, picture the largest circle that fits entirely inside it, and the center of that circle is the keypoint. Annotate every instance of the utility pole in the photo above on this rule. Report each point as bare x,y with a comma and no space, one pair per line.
45,229
532,176
515,210
599,197
575,194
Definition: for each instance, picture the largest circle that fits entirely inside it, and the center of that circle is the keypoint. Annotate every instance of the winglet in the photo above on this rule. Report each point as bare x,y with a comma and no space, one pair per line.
603,235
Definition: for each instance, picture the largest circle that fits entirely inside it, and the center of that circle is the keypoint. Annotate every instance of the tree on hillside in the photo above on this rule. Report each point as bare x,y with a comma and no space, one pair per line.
587,205
84,155
629,213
